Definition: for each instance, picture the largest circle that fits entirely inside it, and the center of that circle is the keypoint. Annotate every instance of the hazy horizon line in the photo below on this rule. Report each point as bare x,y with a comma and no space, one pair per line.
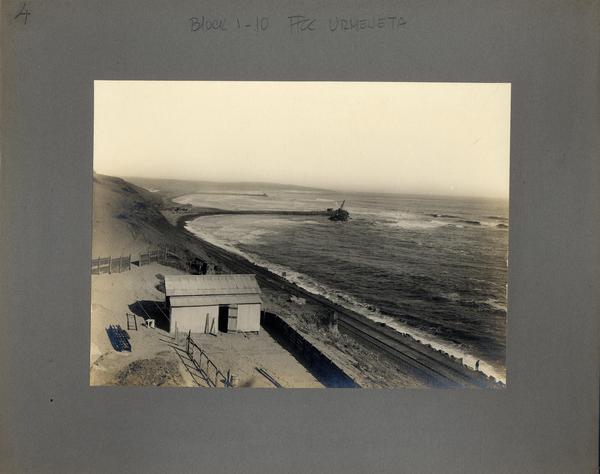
399,193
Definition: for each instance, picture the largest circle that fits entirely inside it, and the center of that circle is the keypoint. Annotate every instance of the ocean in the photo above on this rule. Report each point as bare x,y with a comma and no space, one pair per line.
432,267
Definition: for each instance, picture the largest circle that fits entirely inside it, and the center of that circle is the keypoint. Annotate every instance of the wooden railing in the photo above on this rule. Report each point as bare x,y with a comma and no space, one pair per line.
207,368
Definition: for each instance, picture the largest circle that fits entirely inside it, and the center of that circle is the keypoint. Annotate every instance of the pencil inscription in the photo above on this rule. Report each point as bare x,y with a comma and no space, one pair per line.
296,24
24,12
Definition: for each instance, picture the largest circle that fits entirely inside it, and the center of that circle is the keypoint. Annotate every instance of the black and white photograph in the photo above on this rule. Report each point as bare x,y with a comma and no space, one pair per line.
300,234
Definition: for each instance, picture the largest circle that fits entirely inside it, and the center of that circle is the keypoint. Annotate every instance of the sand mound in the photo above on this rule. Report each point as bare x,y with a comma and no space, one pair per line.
145,372
127,220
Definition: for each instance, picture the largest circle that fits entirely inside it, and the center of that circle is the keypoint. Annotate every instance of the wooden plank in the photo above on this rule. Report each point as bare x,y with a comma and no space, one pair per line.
268,376
144,310
162,312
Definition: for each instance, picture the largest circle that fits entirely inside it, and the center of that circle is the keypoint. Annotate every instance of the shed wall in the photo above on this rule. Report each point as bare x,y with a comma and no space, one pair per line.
197,319
248,317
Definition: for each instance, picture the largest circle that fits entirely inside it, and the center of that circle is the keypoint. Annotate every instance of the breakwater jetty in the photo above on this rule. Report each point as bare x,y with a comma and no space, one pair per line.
180,215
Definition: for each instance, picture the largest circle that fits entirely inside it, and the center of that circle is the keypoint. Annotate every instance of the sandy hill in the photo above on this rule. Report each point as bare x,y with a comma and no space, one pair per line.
127,220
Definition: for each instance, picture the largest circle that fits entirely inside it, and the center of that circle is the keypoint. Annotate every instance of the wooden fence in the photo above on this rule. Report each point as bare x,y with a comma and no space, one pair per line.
153,256
111,264
209,371
161,255
169,257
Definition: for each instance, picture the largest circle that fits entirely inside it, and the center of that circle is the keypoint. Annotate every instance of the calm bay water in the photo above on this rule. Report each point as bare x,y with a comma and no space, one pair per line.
432,267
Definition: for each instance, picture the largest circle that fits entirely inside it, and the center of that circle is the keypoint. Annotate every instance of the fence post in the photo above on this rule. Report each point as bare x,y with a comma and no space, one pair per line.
98,265
129,263
188,341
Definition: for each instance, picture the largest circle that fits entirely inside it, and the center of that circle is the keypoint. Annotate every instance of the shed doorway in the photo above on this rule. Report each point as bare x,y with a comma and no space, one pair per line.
223,317
228,318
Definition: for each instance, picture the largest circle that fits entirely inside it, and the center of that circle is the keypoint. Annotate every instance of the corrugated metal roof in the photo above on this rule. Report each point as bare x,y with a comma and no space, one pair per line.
213,300
200,285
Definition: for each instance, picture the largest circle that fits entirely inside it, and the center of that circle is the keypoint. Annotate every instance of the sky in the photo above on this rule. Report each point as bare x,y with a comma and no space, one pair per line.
423,138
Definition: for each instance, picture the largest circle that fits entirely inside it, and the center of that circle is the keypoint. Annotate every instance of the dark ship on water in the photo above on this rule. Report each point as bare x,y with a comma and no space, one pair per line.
339,214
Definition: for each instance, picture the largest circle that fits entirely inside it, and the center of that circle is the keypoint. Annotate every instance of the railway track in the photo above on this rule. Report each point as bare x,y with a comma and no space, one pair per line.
407,362
426,364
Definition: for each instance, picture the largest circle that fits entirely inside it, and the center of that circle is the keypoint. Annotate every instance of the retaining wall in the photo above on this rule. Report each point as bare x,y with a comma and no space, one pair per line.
323,368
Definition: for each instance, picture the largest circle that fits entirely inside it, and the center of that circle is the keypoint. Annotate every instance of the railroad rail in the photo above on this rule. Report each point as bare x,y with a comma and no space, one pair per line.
434,369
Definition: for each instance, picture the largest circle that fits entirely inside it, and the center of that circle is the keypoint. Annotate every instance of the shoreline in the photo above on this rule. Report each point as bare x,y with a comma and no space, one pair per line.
428,359
182,219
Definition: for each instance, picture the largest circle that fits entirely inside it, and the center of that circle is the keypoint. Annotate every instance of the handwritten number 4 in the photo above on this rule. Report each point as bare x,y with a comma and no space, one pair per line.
24,12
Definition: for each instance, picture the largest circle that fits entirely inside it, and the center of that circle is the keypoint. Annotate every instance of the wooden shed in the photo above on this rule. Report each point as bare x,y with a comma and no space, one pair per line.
213,303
